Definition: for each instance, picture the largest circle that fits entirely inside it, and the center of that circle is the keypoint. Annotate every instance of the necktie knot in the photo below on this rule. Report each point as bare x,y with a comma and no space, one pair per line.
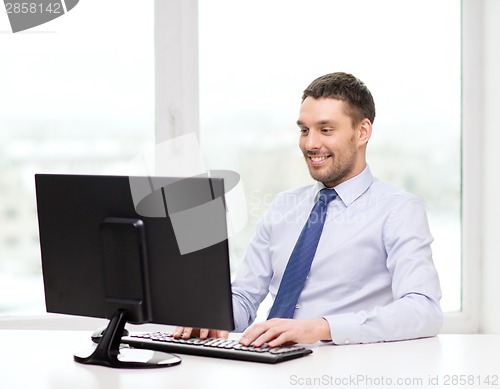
326,195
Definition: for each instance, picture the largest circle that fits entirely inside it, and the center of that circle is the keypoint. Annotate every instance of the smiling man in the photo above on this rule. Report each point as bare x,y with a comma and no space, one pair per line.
346,259
333,143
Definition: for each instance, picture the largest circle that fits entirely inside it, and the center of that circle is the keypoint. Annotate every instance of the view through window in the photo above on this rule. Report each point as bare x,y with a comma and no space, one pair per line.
76,96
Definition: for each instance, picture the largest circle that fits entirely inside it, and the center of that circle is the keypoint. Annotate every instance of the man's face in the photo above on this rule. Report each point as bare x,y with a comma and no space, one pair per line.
334,150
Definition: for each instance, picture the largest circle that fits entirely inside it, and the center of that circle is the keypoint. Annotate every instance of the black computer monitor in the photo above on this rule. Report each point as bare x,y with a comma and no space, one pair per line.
135,249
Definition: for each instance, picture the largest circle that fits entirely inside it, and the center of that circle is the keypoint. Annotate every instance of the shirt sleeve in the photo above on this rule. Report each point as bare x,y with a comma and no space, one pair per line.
415,311
251,283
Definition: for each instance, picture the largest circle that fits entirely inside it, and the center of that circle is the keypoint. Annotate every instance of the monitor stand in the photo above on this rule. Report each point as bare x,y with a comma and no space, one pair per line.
109,353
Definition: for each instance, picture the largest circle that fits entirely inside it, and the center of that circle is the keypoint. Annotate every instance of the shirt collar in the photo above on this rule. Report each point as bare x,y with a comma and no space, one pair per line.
348,191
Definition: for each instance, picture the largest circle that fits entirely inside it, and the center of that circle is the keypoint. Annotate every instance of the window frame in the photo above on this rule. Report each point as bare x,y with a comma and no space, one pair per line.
467,320
176,70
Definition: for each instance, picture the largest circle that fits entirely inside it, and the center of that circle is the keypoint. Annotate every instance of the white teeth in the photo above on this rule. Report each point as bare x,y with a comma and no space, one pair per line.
317,159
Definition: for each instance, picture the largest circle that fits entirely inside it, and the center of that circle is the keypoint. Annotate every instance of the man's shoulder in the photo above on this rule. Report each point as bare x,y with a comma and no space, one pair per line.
391,192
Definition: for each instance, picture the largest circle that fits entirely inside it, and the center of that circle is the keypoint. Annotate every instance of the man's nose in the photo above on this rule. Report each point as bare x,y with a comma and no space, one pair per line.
313,141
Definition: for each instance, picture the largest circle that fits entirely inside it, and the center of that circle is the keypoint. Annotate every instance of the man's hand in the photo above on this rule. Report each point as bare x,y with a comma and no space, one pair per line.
276,332
202,333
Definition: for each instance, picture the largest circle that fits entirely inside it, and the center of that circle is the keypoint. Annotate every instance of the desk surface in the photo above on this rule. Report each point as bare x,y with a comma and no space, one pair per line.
44,360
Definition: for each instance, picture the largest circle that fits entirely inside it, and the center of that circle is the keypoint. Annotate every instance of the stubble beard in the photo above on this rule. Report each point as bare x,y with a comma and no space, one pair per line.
339,169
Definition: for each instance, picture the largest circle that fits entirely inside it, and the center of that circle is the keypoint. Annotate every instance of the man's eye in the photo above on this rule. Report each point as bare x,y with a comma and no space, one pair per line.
326,130
304,131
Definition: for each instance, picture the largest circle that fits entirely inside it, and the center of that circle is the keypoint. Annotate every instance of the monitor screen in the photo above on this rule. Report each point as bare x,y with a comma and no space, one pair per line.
144,249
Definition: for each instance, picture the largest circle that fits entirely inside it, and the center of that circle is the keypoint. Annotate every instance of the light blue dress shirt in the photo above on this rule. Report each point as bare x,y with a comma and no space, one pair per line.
373,278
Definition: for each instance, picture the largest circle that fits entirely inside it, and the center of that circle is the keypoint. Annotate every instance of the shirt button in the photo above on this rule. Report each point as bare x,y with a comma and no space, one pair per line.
347,341
297,306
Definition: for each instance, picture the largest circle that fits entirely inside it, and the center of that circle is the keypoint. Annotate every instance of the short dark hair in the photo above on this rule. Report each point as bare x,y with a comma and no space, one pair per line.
347,88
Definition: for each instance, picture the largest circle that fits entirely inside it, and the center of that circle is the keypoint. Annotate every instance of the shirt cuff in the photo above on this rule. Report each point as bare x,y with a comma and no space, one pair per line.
345,328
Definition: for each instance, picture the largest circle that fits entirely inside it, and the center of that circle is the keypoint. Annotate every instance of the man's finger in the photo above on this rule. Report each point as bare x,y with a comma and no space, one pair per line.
252,333
178,332
182,332
204,333
186,334
221,334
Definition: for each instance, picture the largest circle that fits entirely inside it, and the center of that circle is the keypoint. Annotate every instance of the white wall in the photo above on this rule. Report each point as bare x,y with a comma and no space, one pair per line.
490,267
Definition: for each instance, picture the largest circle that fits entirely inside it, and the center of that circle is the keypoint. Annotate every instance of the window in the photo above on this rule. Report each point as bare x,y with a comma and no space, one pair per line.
257,57
254,60
77,96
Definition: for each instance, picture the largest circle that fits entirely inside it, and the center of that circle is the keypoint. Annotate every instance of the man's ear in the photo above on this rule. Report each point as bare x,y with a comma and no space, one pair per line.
365,131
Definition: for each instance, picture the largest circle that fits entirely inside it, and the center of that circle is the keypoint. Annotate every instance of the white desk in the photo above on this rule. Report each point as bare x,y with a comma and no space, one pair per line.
44,360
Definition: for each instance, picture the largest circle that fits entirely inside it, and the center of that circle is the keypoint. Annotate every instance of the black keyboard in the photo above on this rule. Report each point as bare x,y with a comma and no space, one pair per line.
214,347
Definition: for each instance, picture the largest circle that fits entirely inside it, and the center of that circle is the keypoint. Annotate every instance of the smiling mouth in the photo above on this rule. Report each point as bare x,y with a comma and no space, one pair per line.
317,160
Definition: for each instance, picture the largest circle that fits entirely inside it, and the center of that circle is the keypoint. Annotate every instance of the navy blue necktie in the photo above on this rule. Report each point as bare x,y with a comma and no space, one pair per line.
301,258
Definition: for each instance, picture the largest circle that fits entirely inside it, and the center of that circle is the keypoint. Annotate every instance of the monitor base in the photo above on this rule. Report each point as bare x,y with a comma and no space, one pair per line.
109,353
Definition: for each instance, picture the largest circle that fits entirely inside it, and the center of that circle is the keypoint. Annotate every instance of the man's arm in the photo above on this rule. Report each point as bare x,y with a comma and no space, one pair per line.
411,317
415,311
251,284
